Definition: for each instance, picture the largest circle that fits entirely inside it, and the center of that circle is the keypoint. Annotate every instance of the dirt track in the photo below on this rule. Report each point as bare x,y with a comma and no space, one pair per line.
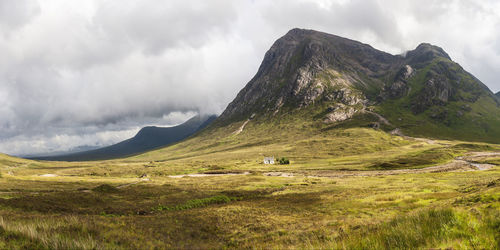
460,164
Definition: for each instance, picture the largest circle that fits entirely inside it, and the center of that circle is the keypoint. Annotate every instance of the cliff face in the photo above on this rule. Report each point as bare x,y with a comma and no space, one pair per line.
345,77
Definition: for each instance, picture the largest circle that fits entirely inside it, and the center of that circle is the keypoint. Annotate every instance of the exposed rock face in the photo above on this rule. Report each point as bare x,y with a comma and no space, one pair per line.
498,94
437,90
399,87
307,67
340,112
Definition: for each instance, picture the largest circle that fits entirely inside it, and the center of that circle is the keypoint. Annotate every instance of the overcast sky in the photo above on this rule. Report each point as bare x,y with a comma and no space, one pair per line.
91,73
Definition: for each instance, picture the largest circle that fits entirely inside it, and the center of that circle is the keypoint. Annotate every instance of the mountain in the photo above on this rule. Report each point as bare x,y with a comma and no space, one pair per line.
74,150
498,94
148,138
338,81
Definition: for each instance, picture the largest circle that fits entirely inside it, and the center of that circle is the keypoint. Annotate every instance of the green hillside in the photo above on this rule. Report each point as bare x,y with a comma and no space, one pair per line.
471,113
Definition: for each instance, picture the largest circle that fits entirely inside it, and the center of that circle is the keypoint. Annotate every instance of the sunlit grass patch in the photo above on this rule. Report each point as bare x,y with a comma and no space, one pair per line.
67,233
426,229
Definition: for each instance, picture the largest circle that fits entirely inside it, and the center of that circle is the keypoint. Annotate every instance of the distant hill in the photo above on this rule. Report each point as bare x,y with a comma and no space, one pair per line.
148,138
336,81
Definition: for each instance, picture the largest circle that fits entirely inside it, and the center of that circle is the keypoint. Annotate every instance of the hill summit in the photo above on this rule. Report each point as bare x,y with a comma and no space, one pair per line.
422,92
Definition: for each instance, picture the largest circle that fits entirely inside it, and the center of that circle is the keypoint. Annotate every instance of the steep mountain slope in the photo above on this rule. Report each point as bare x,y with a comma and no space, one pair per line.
146,139
423,93
498,94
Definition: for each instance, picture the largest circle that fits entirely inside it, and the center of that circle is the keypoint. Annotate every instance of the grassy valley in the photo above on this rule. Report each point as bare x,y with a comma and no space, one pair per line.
341,190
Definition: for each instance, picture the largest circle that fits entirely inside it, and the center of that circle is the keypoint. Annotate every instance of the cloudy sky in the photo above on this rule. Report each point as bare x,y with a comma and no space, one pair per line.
91,73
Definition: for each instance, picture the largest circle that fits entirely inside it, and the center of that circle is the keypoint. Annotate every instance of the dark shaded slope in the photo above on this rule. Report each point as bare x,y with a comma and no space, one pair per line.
146,139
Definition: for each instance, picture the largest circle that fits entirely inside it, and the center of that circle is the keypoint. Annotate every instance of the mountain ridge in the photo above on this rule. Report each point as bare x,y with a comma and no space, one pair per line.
423,88
148,138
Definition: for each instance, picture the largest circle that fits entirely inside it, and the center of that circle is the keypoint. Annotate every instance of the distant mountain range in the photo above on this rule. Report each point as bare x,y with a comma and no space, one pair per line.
421,93
148,138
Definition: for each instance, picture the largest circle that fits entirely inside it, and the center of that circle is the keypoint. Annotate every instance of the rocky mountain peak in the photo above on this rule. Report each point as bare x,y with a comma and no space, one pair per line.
425,52
307,69
307,66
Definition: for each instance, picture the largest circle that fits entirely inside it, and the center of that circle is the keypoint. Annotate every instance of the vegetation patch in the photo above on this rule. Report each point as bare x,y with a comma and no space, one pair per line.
105,188
197,203
283,161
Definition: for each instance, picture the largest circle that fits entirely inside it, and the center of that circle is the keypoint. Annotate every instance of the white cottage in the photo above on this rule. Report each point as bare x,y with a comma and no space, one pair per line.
269,160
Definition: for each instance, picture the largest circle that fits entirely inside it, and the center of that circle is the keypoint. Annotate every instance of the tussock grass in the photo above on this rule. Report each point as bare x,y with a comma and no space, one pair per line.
39,234
427,228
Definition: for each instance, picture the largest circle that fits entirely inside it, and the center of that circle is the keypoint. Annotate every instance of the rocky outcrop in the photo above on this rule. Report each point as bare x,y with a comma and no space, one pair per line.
399,87
437,90
339,112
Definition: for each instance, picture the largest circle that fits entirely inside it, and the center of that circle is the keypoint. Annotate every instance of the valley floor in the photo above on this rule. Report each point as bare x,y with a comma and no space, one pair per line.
413,194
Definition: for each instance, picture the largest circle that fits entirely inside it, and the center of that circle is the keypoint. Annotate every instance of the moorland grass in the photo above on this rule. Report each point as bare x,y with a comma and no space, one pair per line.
106,204
401,211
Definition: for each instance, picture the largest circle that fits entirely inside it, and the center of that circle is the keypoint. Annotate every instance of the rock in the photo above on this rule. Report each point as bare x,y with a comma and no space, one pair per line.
340,113
399,87
437,91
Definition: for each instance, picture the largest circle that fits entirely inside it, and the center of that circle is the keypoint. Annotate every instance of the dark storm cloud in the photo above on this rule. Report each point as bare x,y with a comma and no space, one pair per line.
78,73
